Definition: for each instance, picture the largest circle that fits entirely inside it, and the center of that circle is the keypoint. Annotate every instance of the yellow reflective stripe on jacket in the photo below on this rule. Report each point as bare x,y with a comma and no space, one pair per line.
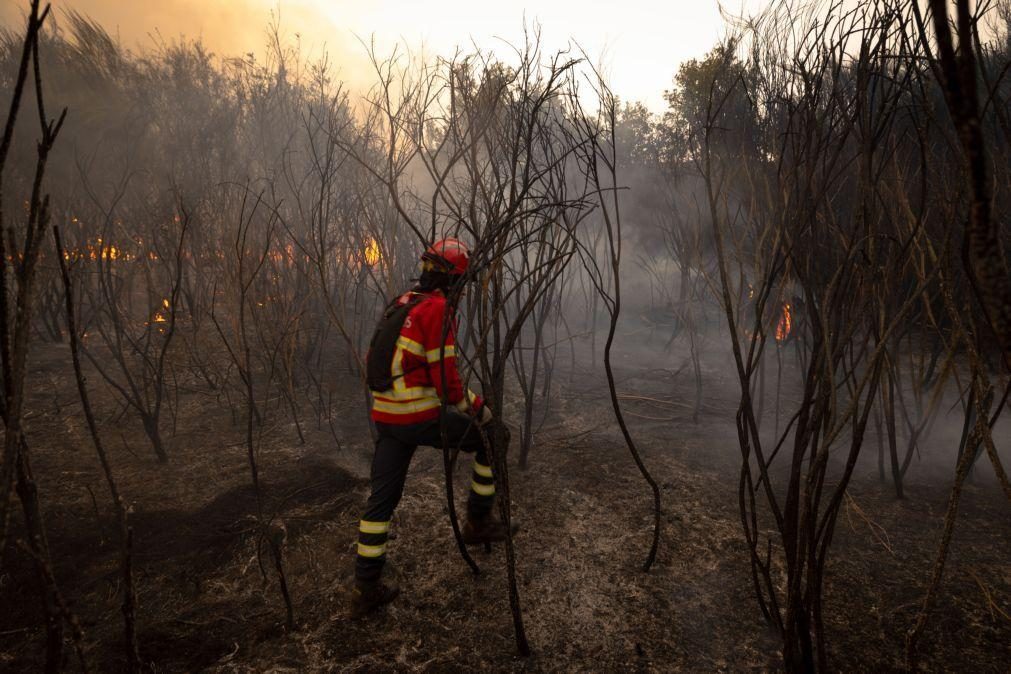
407,394
482,470
405,406
367,527
371,550
482,489
400,389
435,355
408,344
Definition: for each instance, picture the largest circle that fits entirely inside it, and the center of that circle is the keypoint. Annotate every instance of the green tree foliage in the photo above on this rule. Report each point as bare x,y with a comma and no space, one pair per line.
719,81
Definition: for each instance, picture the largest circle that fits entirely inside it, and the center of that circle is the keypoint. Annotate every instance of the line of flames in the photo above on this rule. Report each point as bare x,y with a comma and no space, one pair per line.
371,254
104,251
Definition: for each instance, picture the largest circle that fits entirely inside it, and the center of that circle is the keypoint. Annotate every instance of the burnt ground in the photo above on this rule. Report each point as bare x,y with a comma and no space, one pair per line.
205,605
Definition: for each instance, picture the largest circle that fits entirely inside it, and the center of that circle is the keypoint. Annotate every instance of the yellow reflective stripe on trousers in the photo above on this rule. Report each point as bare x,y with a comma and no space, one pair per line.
371,550
482,470
367,527
482,489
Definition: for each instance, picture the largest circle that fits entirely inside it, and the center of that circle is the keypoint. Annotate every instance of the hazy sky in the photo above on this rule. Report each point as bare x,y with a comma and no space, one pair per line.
640,41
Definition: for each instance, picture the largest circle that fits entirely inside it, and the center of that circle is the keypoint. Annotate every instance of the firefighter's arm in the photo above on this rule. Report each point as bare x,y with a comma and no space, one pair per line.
441,357
475,406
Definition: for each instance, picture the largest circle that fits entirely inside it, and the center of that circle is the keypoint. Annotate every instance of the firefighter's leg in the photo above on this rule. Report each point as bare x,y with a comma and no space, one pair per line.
463,433
482,485
483,525
389,471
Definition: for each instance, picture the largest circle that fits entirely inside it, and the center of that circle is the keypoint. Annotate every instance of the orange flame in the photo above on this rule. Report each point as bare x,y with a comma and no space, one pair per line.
785,323
372,253
159,317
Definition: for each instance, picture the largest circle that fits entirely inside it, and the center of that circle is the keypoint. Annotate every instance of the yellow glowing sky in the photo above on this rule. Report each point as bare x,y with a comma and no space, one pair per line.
640,42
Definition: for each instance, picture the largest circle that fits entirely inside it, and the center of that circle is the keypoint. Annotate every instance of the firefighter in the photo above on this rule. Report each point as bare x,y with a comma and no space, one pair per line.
411,367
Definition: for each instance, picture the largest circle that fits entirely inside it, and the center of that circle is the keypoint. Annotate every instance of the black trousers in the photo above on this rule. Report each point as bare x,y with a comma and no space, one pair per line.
394,450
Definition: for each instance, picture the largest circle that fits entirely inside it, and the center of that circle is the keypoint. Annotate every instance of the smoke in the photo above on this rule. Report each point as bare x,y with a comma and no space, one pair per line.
639,47
229,28
236,26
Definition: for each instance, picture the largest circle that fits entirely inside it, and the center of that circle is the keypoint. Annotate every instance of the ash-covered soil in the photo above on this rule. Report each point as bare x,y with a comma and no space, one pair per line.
208,596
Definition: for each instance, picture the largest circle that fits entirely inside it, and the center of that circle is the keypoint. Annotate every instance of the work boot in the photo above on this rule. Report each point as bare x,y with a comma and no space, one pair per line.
485,529
367,596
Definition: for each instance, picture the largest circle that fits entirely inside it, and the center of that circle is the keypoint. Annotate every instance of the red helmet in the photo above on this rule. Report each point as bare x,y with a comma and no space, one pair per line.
449,256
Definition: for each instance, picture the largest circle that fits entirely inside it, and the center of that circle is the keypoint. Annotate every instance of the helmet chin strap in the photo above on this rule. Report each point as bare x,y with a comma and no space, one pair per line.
434,280
436,263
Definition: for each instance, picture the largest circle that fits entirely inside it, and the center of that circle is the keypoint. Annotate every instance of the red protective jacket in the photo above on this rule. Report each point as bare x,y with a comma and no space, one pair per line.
419,364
